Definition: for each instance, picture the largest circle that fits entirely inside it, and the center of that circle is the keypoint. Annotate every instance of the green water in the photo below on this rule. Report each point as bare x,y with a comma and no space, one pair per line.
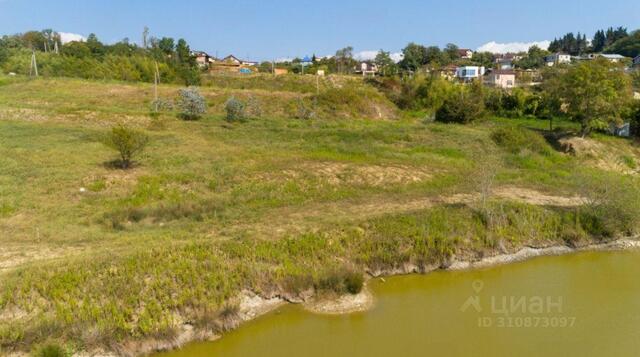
591,307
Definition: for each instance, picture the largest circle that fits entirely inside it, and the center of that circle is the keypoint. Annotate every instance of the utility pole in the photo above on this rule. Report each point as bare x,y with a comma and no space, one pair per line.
145,34
34,65
156,81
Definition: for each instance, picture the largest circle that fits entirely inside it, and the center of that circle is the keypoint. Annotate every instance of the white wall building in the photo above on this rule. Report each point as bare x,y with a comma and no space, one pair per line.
557,58
469,73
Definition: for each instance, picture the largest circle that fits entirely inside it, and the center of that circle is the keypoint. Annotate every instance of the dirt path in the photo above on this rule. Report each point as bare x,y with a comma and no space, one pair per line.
310,218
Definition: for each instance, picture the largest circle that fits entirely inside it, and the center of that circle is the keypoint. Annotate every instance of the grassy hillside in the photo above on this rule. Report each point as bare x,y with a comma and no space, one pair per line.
91,255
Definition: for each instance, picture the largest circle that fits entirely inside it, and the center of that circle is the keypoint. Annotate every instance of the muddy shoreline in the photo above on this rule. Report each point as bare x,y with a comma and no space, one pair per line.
252,306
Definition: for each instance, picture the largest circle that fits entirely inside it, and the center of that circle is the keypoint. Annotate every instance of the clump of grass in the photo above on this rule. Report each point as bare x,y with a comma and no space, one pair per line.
51,350
629,161
516,139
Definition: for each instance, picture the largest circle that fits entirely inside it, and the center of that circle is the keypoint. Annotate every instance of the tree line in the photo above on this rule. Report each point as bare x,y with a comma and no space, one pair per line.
93,59
612,40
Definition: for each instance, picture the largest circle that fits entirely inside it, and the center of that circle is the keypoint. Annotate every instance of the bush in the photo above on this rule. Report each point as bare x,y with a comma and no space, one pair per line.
515,139
611,204
50,350
341,281
513,103
128,142
192,105
235,109
303,111
354,282
254,107
462,108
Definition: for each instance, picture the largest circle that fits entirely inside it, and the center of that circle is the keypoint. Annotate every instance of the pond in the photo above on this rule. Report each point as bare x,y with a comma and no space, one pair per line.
585,304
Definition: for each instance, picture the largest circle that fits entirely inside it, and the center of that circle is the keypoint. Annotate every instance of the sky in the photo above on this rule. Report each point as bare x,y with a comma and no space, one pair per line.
277,29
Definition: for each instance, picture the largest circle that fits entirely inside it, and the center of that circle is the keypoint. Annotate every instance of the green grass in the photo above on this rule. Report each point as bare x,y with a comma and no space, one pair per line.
273,204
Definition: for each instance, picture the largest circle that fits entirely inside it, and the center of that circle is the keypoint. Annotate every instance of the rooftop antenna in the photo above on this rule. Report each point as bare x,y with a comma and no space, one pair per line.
34,65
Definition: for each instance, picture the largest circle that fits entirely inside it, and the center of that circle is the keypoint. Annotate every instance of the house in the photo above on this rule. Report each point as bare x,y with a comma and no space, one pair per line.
232,63
506,60
614,58
469,73
367,68
557,58
501,78
465,53
203,59
636,61
231,59
448,72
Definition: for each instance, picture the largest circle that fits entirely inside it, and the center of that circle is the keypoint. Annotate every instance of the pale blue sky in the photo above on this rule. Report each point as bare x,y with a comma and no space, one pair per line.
285,28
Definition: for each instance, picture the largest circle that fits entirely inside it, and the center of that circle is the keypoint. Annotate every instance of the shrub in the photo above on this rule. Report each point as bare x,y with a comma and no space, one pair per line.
161,105
235,109
611,203
128,142
254,108
354,282
515,139
513,103
341,281
192,105
303,111
462,108
50,350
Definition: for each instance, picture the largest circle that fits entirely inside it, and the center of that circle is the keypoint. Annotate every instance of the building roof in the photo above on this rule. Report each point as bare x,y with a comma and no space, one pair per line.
464,51
612,56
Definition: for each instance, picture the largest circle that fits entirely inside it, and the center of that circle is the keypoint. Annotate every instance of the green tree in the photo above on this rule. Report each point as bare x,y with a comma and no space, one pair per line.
167,45
127,142
484,59
183,53
385,64
344,59
76,49
627,46
594,93
95,46
599,41
534,58
434,56
452,51
414,57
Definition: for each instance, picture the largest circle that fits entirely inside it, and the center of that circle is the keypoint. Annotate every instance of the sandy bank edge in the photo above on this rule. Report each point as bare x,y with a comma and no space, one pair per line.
253,306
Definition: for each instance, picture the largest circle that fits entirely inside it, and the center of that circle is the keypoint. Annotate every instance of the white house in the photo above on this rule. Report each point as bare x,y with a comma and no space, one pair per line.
367,68
557,58
505,79
469,73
